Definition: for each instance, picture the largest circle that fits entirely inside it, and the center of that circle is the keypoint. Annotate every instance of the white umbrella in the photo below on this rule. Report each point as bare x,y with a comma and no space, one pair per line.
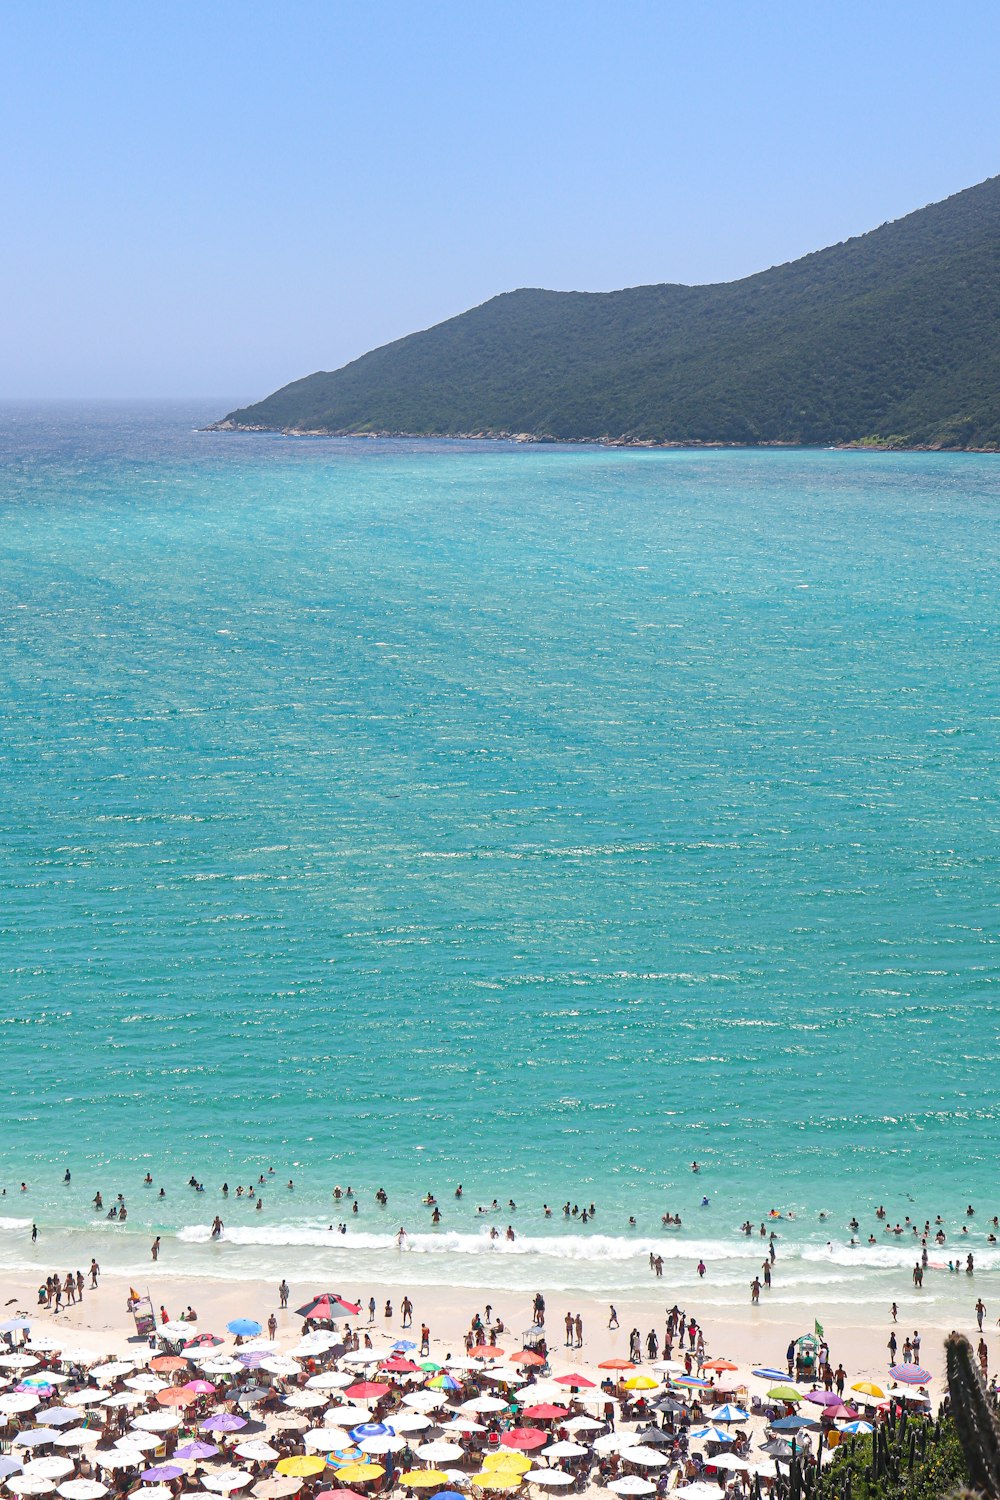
459,1424
49,1377
28,1484
554,1478
80,1356
18,1362
427,1400
362,1357
35,1437
82,1489
177,1330
698,1490
666,1366
276,1487
19,1401
119,1457
280,1364
157,1421
565,1449
528,1395
139,1438
50,1468
113,1369
616,1442
347,1416
225,1481
583,1424
121,1398
649,1458
329,1380
146,1382
78,1437
376,1446
42,1343
305,1400
634,1484
326,1439
222,1364
484,1403
416,1421
156,1492
730,1461
89,1396
440,1452
257,1451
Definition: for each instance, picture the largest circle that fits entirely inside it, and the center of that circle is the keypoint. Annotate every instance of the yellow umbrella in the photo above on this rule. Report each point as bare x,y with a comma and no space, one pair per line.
497,1479
358,1473
419,1478
300,1465
506,1458
640,1383
867,1389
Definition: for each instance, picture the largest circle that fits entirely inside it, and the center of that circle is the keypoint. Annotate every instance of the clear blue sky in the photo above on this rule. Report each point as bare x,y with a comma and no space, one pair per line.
217,197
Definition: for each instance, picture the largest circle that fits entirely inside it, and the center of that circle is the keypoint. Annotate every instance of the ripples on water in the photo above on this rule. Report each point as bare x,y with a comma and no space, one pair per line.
537,819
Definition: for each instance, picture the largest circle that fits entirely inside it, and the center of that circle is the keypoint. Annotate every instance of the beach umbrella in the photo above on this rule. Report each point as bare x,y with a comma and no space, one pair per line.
719,1365
418,1421
784,1393
550,1478
440,1452
497,1479
428,1400
277,1487
361,1473
256,1450
867,1389
138,1438
730,1461
245,1328
711,1435
221,1364
477,1404
667,1366
112,1369
59,1416
583,1424
502,1459
698,1490
640,1383
35,1437
199,1450
378,1447
914,1396
82,1489
370,1429
15,1325
729,1413
224,1421
763,1373
791,1424
822,1398
777,1448
280,1364
29,1484
119,1457
329,1380
146,1382
162,1473
564,1449
423,1478
544,1412
694,1381
577,1382
860,1429
398,1365
18,1362
634,1484
647,1457
905,1374
177,1395
347,1416
200,1387
525,1438
839,1413
616,1364
14,1403
157,1492
9,1465
157,1421
327,1306
166,1363
92,1397
527,1358
304,1400
367,1390
225,1481
49,1468
202,1341
616,1442
300,1465
77,1437
444,1382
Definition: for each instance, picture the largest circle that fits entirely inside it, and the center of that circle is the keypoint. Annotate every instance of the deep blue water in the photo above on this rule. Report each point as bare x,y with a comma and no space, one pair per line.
541,819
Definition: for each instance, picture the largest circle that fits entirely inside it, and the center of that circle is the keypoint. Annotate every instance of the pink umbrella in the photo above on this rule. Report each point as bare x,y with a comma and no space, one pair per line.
200,1387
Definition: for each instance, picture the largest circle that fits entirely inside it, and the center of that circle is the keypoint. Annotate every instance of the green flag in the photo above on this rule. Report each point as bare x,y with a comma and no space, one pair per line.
819,1329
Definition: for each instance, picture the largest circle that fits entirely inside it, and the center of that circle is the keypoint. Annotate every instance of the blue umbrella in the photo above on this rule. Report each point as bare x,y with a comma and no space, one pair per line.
370,1429
765,1374
791,1424
859,1427
245,1327
729,1413
711,1435
403,1345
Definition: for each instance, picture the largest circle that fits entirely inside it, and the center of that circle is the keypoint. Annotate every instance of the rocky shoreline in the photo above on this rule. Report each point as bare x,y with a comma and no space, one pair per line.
858,445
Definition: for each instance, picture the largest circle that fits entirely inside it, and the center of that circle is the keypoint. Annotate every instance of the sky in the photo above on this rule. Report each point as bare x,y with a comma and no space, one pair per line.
215,198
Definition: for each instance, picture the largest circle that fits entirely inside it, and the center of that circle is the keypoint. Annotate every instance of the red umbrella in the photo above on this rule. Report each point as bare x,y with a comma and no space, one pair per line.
399,1366
341,1495
328,1305
578,1382
485,1351
202,1341
365,1388
840,1413
527,1357
524,1437
545,1412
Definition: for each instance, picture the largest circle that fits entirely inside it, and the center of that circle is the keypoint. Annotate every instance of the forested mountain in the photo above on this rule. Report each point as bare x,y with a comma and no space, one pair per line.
892,335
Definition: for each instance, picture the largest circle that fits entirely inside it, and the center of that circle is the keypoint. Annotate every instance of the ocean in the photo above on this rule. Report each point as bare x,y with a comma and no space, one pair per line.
542,819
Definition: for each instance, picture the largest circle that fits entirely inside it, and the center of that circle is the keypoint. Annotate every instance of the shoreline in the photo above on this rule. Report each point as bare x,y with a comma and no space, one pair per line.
858,445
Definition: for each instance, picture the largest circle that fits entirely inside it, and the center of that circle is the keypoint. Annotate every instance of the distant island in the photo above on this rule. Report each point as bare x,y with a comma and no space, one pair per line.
891,339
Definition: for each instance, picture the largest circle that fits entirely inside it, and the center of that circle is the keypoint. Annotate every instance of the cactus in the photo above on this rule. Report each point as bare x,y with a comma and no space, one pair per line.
975,1423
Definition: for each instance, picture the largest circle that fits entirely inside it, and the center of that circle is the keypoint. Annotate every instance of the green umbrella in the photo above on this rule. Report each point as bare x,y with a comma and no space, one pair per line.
784,1393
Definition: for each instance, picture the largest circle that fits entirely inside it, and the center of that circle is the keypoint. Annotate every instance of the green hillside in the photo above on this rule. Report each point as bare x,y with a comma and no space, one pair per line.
894,334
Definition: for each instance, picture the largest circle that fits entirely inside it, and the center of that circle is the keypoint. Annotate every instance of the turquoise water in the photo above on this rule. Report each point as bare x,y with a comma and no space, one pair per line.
539,819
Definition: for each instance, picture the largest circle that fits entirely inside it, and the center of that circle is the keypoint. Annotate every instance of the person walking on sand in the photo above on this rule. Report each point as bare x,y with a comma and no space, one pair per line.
95,1271
425,1339
613,1318
980,1313
283,1293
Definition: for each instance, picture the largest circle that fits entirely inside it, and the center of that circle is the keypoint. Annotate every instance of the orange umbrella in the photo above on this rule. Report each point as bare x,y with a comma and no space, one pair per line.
719,1364
527,1357
164,1362
485,1351
176,1395
616,1364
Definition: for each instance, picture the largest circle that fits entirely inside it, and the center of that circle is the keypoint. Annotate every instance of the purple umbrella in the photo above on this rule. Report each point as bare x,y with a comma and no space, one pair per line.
196,1450
823,1398
161,1473
223,1422
910,1374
